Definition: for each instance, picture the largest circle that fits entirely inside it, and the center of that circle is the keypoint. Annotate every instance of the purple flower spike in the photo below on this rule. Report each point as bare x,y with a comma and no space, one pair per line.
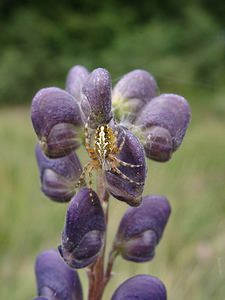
143,287
75,80
41,298
164,121
55,115
58,176
133,91
128,189
96,103
84,230
141,229
55,280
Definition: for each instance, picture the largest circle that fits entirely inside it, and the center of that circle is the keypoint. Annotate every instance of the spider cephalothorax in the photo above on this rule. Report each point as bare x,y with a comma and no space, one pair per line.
105,152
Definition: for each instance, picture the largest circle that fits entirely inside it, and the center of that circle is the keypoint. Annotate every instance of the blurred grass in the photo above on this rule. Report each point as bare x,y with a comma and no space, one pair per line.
190,259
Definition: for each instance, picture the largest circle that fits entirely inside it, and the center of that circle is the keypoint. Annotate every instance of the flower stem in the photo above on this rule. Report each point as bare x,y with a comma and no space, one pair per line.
97,275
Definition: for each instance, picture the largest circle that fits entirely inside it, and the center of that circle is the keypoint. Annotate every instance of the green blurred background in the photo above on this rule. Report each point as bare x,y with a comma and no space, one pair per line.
183,46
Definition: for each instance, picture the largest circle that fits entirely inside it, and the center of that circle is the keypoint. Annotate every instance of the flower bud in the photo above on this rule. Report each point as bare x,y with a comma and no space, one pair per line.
55,280
164,121
143,287
132,92
55,115
58,176
84,230
96,101
128,189
141,229
75,80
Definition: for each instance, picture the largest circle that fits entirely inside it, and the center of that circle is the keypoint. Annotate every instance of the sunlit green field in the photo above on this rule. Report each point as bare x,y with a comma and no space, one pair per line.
190,258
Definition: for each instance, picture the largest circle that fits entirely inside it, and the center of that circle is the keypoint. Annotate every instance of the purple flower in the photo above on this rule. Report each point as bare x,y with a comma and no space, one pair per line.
164,121
55,280
55,116
141,229
114,120
129,189
143,287
132,92
75,80
58,176
84,230
96,98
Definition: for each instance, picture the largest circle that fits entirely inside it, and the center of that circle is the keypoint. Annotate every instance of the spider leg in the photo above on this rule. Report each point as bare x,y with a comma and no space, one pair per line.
123,141
117,149
89,149
87,171
115,169
90,185
123,163
82,176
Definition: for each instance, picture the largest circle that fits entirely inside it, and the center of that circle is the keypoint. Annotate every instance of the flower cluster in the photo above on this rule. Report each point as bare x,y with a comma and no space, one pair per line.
119,128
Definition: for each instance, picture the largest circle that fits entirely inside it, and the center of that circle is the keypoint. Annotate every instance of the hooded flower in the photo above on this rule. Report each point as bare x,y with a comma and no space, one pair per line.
143,287
55,280
84,230
118,127
141,229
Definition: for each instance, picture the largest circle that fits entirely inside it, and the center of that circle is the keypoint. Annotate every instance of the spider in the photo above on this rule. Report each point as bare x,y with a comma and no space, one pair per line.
104,154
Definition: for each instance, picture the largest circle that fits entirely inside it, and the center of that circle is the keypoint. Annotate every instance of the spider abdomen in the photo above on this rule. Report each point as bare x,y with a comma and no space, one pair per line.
104,139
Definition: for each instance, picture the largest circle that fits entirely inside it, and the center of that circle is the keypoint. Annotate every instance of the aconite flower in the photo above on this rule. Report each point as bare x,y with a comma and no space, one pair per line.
58,176
118,128
141,229
163,122
141,287
58,117
84,230
55,280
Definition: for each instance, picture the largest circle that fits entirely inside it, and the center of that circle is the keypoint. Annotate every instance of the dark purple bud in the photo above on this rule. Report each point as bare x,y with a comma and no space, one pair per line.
132,92
164,121
55,280
141,229
58,176
143,287
96,100
128,184
84,230
75,80
55,115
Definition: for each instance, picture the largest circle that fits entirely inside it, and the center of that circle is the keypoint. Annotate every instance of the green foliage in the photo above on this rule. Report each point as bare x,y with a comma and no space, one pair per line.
192,50
39,44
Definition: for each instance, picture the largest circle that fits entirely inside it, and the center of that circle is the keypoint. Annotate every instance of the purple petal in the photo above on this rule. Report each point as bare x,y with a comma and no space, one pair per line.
143,287
58,176
141,228
170,112
55,280
133,91
75,80
51,107
96,102
132,153
84,230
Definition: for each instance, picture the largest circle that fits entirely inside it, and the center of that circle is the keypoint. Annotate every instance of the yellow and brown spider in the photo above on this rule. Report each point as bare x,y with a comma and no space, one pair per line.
104,153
